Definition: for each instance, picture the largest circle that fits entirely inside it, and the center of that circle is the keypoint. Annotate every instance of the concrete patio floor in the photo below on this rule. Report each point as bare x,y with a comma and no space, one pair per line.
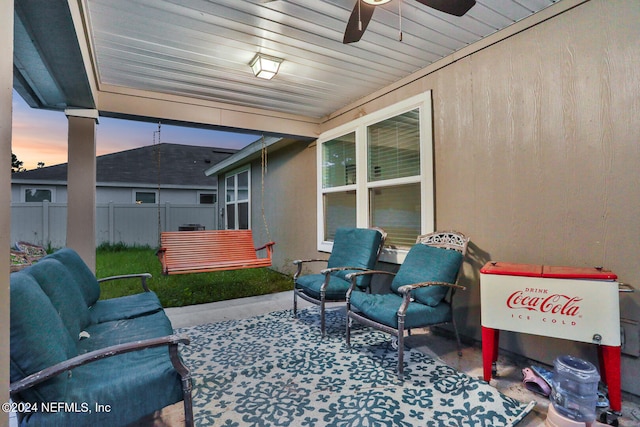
436,345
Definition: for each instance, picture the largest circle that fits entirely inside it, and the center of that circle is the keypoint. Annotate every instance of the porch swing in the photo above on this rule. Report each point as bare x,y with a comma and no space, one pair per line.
201,251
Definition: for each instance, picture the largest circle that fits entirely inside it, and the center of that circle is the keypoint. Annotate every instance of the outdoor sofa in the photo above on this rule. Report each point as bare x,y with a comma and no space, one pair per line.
77,360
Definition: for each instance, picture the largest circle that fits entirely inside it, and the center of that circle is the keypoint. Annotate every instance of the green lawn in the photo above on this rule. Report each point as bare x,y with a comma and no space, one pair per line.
182,289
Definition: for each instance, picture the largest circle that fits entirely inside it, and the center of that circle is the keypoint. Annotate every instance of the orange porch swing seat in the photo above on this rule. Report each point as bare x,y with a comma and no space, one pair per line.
183,252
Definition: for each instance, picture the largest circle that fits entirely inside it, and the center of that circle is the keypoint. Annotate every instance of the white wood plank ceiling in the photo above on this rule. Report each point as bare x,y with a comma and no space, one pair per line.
202,48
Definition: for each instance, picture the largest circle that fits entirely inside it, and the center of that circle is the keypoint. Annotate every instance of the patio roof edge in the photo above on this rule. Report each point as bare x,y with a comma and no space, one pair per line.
250,152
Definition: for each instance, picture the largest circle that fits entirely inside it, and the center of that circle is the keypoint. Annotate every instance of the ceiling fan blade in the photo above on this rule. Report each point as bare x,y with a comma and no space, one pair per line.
358,21
452,7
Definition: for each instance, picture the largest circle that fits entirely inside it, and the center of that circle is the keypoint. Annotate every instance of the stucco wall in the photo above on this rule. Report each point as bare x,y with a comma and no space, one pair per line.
536,142
289,204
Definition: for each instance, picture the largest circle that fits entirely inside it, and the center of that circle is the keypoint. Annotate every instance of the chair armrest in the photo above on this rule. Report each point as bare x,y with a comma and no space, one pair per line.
352,277
327,274
169,340
300,262
406,289
326,271
143,279
406,292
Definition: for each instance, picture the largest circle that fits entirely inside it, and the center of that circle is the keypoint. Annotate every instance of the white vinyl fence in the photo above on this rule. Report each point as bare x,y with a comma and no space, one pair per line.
46,223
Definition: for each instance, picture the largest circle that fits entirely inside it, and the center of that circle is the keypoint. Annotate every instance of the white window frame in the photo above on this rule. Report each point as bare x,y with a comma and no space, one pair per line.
25,188
362,187
144,190
235,173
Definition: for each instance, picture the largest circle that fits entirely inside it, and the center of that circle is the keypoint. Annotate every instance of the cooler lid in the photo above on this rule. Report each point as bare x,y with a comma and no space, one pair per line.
536,270
512,269
578,273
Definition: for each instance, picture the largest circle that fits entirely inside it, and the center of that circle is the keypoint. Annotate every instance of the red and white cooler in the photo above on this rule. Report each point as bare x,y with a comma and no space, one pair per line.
578,304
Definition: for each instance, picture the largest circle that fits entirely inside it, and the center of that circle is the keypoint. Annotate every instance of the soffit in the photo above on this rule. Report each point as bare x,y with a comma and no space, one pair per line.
200,49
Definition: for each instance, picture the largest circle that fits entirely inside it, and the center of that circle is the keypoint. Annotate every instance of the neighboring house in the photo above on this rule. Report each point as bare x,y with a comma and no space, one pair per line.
139,193
161,173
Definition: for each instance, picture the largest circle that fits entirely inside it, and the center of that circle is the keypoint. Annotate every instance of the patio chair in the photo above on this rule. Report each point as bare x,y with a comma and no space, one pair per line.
354,249
418,293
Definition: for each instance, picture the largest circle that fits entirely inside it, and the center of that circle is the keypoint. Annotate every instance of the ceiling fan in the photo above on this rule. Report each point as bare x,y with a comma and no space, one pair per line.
363,11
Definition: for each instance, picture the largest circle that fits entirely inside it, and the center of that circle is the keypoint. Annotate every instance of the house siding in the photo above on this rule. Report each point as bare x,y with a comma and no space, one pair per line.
289,204
535,154
121,194
289,195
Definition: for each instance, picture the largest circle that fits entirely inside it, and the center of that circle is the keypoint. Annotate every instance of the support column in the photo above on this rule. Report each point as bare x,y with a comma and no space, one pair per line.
81,184
6,94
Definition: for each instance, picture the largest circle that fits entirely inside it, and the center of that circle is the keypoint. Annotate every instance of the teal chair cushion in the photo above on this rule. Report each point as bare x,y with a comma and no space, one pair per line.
355,247
104,334
64,291
352,247
108,382
311,283
383,308
426,263
39,338
127,307
89,285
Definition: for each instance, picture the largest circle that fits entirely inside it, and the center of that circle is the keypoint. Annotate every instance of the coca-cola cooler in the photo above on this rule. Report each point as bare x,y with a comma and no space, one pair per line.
578,304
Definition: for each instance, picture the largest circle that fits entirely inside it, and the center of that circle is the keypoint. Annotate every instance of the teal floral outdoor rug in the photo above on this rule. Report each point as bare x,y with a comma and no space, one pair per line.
275,370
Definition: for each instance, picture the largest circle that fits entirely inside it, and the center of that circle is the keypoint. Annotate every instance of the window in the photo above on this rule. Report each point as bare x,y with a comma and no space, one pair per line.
206,198
145,196
237,207
339,183
39,195
378,171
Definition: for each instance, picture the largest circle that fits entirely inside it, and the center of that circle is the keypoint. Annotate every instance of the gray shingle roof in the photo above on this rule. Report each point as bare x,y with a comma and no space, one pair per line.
179,165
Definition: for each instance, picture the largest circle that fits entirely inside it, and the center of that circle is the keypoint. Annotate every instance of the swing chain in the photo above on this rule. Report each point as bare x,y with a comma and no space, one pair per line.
156,144
264,171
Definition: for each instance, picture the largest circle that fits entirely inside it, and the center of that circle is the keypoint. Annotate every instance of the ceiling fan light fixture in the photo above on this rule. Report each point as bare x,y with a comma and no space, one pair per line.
363,11
265,66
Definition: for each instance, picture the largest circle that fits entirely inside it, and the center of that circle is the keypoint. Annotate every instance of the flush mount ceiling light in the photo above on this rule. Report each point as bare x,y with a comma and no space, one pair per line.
265,66
376,2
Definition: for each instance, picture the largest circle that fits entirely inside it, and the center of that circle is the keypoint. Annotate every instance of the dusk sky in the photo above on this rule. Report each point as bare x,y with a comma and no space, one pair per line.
41,135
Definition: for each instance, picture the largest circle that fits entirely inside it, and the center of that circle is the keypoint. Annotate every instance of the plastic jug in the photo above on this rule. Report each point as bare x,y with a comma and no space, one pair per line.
575,388
556,420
